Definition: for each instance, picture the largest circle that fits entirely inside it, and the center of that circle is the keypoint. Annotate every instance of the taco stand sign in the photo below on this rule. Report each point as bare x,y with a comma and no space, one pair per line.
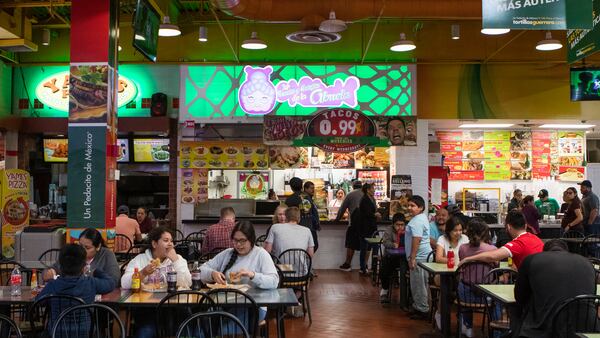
53,91
258,95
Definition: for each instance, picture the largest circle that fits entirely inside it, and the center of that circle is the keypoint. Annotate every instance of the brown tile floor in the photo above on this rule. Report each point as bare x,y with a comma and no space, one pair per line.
345,304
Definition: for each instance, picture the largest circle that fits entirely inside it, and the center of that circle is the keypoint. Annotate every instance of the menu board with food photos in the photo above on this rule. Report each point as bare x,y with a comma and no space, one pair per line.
288,157
372,157
323,159
56,150
194,186
151,150
515,155
217,155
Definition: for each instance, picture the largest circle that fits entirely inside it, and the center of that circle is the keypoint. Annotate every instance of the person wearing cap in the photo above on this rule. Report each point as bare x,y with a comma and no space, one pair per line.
590,204
126,226
546,205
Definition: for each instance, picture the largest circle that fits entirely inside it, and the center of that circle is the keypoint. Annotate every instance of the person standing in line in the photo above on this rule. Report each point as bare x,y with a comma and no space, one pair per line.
531,214
573,218
311,214
367,222
591,221
438,226
416,240
515,202
352,242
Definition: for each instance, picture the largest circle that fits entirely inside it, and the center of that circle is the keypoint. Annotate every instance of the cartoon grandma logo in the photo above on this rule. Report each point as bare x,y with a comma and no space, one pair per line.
257,93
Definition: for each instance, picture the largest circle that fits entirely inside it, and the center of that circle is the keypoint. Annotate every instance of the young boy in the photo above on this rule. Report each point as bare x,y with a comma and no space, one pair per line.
72,282
393,238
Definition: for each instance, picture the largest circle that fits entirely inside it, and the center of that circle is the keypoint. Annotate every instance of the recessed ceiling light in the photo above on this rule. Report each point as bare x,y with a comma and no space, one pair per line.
548,43
202,36
494,31
45,37
403,45
455,31
486,125
566,126
254,42
119,48
168,29
140,37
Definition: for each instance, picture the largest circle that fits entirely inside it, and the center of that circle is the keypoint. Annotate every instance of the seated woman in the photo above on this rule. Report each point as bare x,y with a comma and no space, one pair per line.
479,241
278,216
252,264
160,256
393,238
98,256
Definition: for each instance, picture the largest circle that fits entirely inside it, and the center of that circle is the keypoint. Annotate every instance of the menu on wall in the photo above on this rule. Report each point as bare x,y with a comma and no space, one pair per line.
288,157
323,159
231,155
253,185
372,157
514,155
194,186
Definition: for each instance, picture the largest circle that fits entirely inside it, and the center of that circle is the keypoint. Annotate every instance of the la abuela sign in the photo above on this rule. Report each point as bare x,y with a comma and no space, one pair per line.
53,91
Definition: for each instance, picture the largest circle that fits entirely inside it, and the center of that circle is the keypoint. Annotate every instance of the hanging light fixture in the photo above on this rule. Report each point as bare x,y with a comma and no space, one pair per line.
494,31
168,29
45,37
119,48
254,42
455,31
548,43
402,45
332,25
202,35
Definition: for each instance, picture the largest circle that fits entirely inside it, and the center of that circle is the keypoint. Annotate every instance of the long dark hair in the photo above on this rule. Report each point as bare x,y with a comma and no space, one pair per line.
155,234
247,229
451,224
477,231
93,235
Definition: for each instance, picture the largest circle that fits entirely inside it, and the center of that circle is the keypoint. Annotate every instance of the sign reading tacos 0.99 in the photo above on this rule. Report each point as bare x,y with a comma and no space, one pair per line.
341,130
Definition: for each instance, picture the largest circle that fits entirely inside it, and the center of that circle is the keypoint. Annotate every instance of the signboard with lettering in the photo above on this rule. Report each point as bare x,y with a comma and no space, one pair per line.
14,204
582,43
344,129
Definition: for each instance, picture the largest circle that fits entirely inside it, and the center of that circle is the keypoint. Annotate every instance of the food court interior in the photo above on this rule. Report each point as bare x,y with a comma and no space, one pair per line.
180,109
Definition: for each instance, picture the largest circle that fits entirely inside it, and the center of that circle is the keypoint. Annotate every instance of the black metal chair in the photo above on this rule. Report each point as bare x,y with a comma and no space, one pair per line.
590,246
8,328
239,304
576,315
573,234
88,320
376,254
502,322
299,280
434,291
211,324
49,256
468,298
135,250
44,312
196,239
175,307
209,255
179,236
574,247
260,241
122,246
17,311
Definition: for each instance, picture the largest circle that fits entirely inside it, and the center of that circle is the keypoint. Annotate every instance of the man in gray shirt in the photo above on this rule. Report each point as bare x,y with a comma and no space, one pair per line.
590,203
350,203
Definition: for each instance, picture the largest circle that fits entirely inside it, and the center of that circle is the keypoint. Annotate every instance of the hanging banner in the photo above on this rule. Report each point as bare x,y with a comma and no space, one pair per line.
537,14
582,43
2,152
14,207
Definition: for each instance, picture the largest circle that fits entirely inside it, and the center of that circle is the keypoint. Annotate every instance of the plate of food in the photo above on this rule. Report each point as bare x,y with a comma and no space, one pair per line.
241,287
289,157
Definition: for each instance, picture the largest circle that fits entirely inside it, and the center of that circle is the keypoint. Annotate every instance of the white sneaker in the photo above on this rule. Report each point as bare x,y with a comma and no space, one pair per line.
438,321
383,292
467,331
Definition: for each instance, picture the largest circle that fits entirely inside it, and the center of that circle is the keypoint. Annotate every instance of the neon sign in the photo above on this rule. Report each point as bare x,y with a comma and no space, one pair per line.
53,91
257,94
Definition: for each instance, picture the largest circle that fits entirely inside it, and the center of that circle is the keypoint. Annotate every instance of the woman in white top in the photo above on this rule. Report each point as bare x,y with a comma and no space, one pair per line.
336,203
159,256
452,239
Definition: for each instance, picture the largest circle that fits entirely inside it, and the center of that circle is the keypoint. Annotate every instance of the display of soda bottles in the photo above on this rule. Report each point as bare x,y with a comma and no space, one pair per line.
196,282
171,280
136,281
15,281
450,262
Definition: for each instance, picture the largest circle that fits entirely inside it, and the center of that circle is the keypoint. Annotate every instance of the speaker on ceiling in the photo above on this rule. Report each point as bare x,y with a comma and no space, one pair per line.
158,105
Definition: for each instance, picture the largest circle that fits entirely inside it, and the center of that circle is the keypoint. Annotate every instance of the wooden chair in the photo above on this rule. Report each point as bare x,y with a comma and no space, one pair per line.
175,307
211,324
576,315
88,320
300,279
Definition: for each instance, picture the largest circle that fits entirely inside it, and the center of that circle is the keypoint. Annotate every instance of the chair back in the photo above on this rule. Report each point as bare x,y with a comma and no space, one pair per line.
89,320
573,234
179,236
301,262
8,328
6,268
135,250
211,324
196,239
431,257
590,246
260,240
576,315
49,257
44,312
238,303
210,255
122,243
175,307
186,249
467,276
501,276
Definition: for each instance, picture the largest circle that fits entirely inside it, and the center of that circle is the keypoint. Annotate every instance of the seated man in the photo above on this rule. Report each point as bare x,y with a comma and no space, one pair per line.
523,244
393,238
218,236
290,235
545,281
438,226
128,227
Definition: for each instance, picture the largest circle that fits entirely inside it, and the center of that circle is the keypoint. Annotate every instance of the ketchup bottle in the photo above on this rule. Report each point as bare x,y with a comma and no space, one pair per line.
450,263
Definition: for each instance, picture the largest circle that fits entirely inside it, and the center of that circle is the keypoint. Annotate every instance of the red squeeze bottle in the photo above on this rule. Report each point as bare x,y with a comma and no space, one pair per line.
450,263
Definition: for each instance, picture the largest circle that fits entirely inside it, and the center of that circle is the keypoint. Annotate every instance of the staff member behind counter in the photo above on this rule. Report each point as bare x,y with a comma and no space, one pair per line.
546,205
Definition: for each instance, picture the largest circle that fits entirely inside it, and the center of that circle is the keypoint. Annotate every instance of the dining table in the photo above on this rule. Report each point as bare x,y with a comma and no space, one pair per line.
505,293
276,299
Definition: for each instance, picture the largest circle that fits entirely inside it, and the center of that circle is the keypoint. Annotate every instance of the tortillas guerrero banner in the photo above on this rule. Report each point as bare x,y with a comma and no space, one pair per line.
340,130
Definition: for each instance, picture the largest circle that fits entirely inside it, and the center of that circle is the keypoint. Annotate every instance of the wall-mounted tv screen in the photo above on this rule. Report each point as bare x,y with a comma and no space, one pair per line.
585,84
123,144
56,149
146,23
151,150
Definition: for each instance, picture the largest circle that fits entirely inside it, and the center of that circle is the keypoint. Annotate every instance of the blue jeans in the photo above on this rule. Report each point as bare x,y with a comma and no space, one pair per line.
465,293
365,247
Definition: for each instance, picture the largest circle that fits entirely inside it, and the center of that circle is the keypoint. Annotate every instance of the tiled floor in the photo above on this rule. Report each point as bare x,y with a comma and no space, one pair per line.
345,304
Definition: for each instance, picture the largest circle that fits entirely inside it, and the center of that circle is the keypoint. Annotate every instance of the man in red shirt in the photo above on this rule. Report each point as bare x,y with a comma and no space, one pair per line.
522,245
219,235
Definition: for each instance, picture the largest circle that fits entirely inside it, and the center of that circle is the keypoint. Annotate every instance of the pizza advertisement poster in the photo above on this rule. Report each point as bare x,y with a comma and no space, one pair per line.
14,203
221,155
253,184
